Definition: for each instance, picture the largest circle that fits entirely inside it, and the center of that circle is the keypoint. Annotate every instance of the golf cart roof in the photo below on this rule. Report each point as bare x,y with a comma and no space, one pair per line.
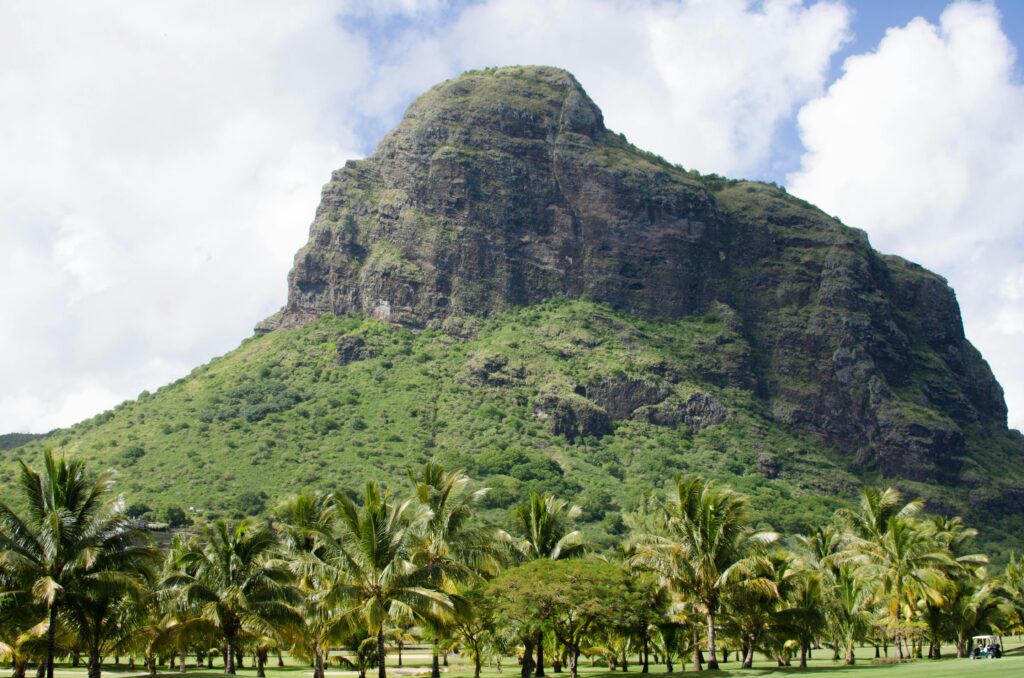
985,638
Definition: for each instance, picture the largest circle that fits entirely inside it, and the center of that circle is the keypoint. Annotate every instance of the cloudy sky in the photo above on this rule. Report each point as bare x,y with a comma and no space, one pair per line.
160,162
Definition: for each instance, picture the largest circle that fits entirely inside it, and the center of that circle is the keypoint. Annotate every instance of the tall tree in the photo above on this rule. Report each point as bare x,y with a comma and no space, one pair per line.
307,526
371,566
454,544
234,577
74,537
704,542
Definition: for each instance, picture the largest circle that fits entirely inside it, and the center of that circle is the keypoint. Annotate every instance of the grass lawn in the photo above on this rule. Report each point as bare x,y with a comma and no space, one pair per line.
417,664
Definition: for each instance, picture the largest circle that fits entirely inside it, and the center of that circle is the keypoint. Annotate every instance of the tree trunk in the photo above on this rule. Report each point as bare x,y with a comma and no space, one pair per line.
668,663
94,669
239,659
76,659
478,660
527,668
20,667
51,635
184,660
382,671
574,662
318,663
261,662
539,672
400,646
131,662
229,654
280,660
803,653
850,658
696,659
646,666
151,664
748,659
435,667
712,657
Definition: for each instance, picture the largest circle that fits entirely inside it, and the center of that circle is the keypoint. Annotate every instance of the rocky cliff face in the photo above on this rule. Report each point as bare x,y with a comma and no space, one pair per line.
504,188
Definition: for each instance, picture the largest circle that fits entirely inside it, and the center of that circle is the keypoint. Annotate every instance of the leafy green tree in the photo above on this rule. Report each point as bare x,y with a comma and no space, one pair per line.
703,544
572,597
74,538
233,576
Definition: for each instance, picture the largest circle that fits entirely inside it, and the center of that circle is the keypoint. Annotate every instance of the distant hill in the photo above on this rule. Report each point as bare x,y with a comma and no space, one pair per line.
509,286
11,440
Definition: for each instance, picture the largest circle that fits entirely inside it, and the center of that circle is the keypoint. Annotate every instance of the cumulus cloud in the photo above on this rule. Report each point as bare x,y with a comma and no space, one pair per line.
921,143
161,162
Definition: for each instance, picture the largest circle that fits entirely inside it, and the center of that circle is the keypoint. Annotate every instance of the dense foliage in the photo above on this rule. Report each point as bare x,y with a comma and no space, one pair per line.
367,574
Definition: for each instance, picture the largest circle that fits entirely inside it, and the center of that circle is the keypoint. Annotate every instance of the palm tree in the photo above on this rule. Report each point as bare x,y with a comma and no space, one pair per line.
704,544
369,564
975,606
452,544
74,538
907,562
234,579
848,607
544,522
306,524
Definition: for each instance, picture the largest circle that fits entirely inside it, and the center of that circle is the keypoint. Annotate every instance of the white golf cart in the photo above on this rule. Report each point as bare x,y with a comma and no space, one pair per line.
986,647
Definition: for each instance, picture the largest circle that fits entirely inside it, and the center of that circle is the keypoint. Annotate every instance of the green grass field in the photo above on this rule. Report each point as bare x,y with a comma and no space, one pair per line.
416,663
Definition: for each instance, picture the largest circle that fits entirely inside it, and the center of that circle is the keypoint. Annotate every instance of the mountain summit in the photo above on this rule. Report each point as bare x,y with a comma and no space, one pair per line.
503,188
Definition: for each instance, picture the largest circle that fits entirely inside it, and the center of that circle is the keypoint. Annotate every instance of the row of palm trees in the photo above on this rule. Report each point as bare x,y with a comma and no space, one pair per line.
327,572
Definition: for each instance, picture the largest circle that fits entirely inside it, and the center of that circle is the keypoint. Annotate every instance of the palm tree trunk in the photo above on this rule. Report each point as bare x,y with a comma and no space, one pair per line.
713,658
229,653
748,659
381,670
400,645
184,660
280,659
435,668
20,667
51,634
850,657
318,663
646,668
261,662
94,662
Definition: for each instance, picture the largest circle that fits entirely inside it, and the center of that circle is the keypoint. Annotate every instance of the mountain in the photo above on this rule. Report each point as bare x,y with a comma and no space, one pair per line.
512,287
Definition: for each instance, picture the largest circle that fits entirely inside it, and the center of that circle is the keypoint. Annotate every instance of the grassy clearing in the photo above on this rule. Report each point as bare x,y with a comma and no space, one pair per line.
418,664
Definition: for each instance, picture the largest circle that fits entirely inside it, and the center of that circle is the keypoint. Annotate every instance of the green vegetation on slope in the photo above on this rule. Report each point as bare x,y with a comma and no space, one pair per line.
281,415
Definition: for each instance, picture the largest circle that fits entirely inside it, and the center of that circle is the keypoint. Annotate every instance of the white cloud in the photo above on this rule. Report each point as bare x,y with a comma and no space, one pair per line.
921,143
161,162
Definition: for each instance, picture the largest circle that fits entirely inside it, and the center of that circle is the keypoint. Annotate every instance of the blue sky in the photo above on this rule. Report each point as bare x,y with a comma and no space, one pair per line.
162,161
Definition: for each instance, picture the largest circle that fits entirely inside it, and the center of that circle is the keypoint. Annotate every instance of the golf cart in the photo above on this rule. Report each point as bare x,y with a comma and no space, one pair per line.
986,647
